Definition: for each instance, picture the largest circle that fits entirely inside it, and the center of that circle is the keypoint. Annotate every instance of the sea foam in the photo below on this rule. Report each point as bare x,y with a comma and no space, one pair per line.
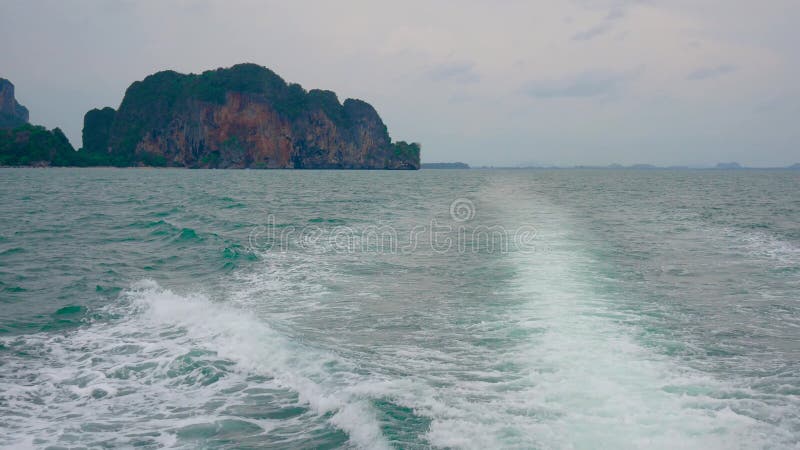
169,364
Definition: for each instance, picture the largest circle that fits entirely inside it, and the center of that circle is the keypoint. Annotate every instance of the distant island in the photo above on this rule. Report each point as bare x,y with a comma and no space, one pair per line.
445,165
649,167
245,116
719,166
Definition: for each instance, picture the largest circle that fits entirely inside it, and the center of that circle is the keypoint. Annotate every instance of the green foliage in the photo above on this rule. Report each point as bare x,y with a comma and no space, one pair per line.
153,160
162,88
210,160
213,85
406,151
96,129
35,145
31,145
329,104
232,144
87,159
251,78
360,112
292,102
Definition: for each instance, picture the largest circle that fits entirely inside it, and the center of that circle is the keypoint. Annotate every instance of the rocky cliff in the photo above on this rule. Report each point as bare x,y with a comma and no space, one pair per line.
12,114
245,116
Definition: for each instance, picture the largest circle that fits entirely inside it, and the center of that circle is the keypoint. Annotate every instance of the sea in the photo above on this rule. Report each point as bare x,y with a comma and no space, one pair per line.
476,309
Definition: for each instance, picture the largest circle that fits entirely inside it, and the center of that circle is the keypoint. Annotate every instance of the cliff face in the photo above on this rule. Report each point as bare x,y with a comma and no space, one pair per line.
242,117
12,114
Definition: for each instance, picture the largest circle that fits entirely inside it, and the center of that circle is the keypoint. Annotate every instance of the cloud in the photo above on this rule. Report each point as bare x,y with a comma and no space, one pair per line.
616,13
593,32
705,73
459,72
583,85
604,27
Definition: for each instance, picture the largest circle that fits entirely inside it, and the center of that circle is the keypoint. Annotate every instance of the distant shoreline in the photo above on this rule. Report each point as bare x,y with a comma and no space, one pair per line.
638,168
584,168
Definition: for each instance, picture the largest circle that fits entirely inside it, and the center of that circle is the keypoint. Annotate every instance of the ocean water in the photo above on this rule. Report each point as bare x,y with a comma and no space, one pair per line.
355,309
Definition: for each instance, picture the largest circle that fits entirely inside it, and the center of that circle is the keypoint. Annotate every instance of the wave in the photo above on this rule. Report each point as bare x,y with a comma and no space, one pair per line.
596,383
765,245
548,360
599,384
169,364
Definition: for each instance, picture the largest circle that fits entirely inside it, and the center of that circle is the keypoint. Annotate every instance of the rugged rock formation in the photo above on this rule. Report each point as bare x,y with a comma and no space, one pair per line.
12,114
245,116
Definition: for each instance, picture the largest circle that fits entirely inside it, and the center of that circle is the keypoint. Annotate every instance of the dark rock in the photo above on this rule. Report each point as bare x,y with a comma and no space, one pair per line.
12,114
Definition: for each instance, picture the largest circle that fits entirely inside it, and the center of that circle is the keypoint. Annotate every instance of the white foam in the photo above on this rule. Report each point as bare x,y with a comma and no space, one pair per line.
763,244
578,378
585,382
130,361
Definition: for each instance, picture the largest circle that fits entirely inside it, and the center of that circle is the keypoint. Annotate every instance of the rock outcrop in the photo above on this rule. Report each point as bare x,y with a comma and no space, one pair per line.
12,114
245,116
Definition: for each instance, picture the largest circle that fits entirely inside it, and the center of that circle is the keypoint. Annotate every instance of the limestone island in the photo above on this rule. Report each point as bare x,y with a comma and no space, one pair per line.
245,116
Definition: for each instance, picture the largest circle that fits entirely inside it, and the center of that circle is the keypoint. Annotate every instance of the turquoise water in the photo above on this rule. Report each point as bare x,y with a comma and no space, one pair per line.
252,309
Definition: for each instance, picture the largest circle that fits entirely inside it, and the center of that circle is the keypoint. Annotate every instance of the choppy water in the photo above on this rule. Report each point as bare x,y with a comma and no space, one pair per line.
154,308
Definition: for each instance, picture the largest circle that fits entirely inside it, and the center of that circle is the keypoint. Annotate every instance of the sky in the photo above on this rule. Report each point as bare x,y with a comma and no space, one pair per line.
503,83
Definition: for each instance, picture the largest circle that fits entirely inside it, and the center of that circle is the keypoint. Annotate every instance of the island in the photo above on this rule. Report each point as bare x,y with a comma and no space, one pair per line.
445,165
245,116
729,166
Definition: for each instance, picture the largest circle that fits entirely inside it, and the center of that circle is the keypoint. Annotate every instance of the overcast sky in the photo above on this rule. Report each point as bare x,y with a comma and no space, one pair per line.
690,82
